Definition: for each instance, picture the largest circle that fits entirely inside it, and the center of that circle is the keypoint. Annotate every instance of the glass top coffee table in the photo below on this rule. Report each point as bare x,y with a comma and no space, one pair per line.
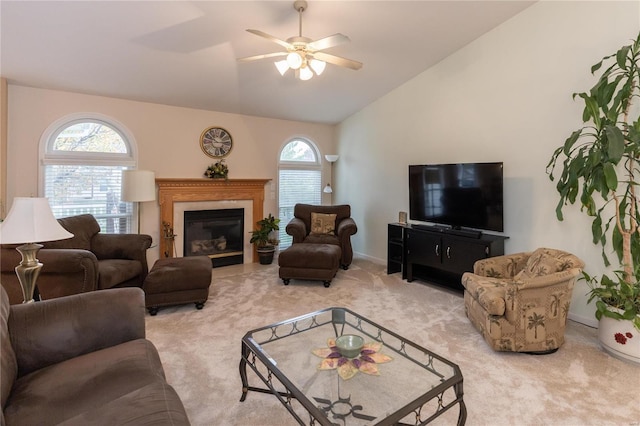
391,381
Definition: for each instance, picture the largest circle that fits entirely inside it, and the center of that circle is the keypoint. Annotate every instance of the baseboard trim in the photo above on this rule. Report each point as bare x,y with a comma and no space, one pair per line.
370,258
588,321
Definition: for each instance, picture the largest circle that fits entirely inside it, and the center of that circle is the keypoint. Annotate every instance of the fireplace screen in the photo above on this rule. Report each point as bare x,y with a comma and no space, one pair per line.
215,233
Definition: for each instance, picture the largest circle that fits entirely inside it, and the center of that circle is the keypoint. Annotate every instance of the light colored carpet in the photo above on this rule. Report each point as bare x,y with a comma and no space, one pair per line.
200,350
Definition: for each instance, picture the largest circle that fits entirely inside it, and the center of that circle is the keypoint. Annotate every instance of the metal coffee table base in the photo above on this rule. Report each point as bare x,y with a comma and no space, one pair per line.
260,353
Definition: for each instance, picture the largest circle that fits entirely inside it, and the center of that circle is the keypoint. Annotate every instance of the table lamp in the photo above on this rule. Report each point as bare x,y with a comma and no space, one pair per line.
30,220
138,186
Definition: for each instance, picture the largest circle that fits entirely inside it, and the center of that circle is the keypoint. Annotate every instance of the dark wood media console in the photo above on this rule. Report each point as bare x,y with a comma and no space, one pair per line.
438,255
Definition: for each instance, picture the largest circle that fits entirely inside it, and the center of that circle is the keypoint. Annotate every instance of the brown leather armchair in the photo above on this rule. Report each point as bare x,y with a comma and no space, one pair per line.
300,228
89,261
83,360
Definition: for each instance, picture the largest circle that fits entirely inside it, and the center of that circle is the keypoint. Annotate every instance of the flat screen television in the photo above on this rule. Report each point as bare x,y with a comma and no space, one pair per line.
463,195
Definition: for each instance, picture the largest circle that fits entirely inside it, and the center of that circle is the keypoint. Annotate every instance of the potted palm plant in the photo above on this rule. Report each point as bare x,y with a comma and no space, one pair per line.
265,238
600,165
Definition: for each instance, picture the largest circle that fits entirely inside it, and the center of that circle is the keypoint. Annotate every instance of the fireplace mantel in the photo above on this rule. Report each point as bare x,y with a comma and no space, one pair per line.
172,191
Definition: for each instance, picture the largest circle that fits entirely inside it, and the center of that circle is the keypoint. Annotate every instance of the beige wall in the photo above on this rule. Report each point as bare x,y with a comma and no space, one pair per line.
3,146
167,139
504,97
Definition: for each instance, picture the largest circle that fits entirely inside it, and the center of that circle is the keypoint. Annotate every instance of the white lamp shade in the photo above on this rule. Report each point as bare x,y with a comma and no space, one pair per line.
294,60
327,189
332,158
31,220
283,66
305,73
317,65
138,185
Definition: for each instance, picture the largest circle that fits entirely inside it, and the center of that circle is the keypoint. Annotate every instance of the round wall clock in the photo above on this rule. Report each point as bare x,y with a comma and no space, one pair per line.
216,142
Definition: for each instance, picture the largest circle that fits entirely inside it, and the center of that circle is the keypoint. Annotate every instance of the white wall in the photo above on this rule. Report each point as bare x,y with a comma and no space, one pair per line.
504,97
167,139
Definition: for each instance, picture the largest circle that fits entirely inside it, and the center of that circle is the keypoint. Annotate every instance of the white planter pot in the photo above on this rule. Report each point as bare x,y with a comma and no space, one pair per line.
620,339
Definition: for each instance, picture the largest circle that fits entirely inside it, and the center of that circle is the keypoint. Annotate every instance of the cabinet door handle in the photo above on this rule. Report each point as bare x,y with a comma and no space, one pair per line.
437,249
448,252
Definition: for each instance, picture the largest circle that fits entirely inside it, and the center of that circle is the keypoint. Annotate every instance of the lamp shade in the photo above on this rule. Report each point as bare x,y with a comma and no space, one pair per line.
327,189
332,158
283,66
138,185
31,220
305,73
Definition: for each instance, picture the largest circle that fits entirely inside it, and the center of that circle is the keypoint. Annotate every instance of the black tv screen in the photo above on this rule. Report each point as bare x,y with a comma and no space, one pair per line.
463,195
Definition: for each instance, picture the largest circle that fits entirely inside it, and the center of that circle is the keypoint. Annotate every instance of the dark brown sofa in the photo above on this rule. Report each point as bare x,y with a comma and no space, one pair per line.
300,228
89,261
83,360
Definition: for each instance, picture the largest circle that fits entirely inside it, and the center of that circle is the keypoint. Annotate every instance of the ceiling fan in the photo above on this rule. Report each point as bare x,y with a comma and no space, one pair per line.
304,55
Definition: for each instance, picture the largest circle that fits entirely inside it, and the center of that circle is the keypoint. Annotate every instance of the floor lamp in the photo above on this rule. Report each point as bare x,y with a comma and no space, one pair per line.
331,158
30,220
138,186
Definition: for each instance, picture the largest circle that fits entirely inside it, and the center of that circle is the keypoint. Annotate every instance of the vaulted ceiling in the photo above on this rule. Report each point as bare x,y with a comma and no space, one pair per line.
184,53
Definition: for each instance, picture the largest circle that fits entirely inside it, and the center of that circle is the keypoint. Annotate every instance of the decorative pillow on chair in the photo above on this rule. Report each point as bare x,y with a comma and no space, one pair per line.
322,223
540,263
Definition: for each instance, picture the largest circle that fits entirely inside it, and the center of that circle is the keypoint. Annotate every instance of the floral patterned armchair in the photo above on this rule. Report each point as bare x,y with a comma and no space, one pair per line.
520,302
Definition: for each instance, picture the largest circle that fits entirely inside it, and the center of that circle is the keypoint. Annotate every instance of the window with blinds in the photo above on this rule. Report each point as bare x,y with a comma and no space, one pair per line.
82,173
299,181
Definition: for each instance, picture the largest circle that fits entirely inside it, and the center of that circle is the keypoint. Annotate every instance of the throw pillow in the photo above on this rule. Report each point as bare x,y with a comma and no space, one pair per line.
540,263
322,223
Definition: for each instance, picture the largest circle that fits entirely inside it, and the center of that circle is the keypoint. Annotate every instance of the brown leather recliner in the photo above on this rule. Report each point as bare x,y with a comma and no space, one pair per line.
89,261
300,228
83,360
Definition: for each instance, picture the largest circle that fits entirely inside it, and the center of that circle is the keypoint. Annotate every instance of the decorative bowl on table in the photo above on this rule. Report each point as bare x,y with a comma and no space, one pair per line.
349,345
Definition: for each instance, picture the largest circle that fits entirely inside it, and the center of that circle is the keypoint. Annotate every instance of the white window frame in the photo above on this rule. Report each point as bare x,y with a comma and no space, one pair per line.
299,165
48,156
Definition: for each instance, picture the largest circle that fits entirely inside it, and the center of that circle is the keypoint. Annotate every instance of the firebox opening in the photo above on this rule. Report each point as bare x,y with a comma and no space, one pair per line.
215,233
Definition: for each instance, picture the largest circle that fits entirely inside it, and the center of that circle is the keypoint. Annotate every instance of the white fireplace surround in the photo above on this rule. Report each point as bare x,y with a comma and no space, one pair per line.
178,221
180,194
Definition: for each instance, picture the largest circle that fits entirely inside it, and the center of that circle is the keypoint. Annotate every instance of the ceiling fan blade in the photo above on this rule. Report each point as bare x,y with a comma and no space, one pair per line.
327,42
266,55
337,60
272,38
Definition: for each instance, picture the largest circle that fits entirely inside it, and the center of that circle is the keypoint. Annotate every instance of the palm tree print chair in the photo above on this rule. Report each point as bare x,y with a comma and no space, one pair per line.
520,302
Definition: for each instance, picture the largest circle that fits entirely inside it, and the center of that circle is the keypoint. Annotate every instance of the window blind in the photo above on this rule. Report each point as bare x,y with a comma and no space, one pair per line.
74,189
296,186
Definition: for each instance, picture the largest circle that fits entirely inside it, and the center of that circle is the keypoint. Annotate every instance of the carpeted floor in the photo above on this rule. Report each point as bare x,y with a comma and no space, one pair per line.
200,350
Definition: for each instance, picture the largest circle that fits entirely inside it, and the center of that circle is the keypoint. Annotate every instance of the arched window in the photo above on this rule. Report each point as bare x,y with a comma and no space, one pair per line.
82,163
299,181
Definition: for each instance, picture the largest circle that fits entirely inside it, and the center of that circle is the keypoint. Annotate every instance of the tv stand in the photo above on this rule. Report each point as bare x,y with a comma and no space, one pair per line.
437,255
469,233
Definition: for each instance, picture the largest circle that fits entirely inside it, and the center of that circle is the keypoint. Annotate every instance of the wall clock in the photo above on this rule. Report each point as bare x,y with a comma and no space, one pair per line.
216,142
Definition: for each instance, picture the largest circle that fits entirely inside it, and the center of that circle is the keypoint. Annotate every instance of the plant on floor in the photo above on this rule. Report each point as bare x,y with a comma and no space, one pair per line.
262,236
600,167
265,238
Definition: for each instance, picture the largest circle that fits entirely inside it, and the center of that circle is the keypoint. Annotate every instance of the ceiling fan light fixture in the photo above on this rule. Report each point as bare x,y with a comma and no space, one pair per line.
294,59
282,66
317,66
305,73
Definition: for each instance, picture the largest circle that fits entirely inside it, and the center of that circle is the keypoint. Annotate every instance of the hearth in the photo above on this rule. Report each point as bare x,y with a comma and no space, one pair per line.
218,234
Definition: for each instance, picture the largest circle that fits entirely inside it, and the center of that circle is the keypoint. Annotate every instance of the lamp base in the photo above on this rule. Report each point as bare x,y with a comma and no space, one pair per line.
28,270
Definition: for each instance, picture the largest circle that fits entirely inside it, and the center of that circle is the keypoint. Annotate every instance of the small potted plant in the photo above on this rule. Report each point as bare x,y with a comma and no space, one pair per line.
265,238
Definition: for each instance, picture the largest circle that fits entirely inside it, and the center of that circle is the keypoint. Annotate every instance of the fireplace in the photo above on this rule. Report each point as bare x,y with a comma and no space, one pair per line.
215,233
180,192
